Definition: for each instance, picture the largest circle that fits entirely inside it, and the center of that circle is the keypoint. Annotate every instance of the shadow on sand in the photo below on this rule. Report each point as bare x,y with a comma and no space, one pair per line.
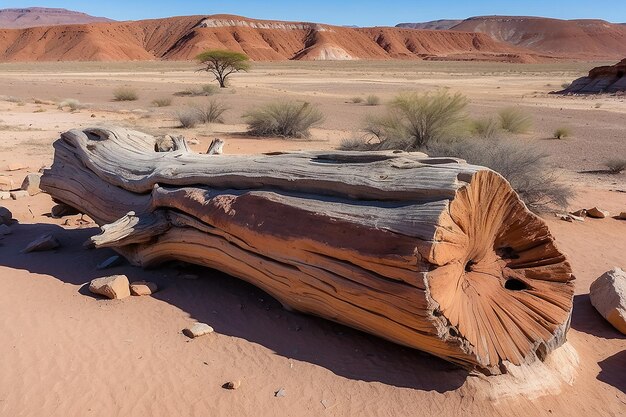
613,369
586,319
238,309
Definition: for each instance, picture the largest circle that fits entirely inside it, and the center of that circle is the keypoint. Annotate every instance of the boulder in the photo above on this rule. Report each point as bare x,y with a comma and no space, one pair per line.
596,213
604,79
6,184
31,184
4,230
608,296
114,287
42,243
197,330
139,288
5,215
62,210
16,195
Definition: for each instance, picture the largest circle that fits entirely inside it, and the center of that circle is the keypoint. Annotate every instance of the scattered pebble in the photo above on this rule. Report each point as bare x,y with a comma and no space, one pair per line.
114,287
232,385
596,213
110,262
197,330
139,288
5,215
31,184
5,230
19,194
42,243
280,393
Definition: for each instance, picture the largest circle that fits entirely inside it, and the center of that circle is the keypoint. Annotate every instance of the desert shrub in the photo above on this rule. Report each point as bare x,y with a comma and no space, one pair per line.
616,166
189,118
414,120
485,128
597,105
372,100
11,99
515,120
288,119
562,133
209,89
211,112
70,103
125,94
357,100
205,90
525,167
162,102
355,144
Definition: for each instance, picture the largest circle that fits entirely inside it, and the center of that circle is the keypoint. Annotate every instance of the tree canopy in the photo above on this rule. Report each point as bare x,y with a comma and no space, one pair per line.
223,63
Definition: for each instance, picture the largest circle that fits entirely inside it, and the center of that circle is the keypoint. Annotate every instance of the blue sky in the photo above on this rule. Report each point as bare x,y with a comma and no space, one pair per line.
351,12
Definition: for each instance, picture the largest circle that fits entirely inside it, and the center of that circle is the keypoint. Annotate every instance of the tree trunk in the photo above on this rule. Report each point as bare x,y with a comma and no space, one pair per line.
431,253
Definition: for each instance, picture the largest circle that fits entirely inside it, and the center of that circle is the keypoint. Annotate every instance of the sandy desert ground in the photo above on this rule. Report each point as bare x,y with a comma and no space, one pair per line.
64,352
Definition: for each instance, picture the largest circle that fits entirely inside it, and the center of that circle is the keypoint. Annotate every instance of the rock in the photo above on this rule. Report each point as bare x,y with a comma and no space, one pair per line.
193,141
232,385
62,210
5,230
608,296
31,184
16,166
280,393
114,287
564,217
622,215
5,195
110,262
93,116
139,288
6,184
42,243
580,213
5,215
596,213
197,330
15,195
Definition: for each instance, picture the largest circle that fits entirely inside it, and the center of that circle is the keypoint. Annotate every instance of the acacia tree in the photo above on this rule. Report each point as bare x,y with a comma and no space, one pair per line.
222,63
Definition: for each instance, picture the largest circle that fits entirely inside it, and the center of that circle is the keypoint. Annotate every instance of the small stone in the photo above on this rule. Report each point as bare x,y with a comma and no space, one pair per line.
193,141
93,116
5,195
232,385
564,217
6,184
62,210
608,296
31,184
42,243
110,262
280,393
16,166
139,288
114,287
5,215
5,230
577,218
15,195
580,213
622,215
197,330
596,213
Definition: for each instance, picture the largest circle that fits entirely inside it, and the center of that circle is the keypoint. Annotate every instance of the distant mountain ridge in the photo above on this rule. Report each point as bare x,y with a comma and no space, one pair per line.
19,18
443,24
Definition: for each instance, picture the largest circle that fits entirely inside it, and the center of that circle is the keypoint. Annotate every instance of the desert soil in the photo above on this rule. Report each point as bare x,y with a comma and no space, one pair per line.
64,352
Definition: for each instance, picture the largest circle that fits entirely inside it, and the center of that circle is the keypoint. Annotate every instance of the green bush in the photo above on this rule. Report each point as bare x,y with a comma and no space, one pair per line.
211,112
485,128
288,119
414,120
515,120
125,94
357,100
189,118
162,102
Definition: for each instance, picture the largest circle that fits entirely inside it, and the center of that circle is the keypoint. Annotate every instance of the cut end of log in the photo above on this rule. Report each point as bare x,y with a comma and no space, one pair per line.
500,288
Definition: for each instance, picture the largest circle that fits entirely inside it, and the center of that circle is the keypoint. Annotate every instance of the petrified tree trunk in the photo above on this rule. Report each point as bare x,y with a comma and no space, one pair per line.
431,253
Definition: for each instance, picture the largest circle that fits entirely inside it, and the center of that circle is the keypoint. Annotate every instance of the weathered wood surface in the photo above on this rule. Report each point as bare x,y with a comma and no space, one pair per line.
431,253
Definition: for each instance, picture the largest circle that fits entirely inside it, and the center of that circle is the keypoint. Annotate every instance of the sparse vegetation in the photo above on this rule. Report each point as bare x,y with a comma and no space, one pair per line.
211,112
562,133
288,119
189,118
616,166
222,63
525,167
485,128
356,100
355,144
515,120
209,89
413,120
372,100
162,102
125,94
70,103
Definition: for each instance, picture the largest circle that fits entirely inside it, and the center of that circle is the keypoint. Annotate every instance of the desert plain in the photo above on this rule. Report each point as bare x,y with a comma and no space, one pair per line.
69,353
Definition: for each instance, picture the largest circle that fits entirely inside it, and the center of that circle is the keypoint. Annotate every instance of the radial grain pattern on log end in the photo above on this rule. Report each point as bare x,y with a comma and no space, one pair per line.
431,253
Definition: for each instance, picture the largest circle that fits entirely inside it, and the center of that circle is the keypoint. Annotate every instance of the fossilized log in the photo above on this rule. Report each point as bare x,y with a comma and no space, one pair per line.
431,253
